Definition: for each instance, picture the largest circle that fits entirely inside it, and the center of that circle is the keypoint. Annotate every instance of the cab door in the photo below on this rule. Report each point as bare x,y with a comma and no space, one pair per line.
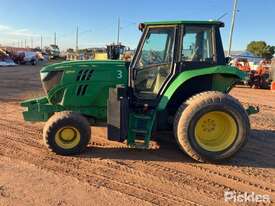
153,64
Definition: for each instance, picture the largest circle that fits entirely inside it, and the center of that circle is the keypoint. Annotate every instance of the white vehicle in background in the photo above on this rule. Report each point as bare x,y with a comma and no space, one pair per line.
53,51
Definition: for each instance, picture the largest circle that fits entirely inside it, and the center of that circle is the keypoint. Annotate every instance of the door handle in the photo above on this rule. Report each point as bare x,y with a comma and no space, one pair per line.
151,76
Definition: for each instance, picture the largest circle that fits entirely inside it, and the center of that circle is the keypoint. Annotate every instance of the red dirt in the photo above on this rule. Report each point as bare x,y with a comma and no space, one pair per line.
109,173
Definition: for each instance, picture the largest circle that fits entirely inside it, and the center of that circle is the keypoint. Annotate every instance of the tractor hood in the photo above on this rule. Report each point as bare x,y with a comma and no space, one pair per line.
86,82
71,65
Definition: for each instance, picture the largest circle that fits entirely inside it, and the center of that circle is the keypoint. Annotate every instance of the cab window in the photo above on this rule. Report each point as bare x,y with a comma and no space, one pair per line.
197,44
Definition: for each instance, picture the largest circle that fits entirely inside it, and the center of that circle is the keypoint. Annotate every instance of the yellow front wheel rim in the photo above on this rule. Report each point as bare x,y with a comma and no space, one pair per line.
216,131
67,137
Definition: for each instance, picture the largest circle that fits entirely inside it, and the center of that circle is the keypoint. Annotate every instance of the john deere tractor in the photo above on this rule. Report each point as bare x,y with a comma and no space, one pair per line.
178,80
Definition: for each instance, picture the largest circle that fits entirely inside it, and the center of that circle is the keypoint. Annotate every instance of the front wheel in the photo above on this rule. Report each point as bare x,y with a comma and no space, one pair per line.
67,133
211,126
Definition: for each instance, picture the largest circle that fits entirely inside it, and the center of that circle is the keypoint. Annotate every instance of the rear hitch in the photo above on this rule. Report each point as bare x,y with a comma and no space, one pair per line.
252,110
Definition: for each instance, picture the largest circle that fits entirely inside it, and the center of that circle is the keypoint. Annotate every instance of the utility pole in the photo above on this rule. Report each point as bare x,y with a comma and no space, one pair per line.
54,38
232,26
25,43
118,30
76,40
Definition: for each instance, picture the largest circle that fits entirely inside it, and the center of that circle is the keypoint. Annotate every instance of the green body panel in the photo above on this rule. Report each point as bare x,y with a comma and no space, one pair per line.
105,74
223,78
39,109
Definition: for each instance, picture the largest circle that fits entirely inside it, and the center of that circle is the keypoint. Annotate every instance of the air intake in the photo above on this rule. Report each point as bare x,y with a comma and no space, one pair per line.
81,90
84,74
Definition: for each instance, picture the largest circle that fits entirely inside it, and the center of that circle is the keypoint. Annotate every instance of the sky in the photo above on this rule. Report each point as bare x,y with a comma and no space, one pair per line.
97,20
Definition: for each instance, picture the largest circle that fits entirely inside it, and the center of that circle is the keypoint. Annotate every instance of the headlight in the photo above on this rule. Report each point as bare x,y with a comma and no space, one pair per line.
50,79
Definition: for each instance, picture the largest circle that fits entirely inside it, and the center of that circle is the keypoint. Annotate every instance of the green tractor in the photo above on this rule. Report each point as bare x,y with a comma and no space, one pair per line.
178,80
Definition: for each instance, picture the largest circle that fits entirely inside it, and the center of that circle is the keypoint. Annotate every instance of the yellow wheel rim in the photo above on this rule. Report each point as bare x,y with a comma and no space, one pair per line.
216,131
67,137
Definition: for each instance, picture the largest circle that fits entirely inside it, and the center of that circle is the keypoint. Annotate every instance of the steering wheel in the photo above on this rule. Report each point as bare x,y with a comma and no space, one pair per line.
154,57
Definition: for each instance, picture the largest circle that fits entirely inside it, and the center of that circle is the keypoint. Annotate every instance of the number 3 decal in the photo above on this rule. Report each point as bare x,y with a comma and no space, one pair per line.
119,74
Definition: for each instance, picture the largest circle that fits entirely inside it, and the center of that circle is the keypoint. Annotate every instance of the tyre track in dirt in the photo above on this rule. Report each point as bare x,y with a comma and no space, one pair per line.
226,181
236,179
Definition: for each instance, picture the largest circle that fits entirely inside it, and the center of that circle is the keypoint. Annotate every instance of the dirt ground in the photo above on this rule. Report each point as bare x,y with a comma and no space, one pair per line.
109,173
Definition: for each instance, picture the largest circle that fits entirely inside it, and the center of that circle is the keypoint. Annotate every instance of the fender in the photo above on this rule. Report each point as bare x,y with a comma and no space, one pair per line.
219,83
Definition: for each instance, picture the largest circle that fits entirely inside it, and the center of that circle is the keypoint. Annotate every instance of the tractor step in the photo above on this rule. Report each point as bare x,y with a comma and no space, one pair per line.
139,131
139,145
137,116
140,125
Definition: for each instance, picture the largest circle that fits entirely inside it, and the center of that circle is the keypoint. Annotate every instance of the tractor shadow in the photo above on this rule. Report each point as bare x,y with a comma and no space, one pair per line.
259,152
167,151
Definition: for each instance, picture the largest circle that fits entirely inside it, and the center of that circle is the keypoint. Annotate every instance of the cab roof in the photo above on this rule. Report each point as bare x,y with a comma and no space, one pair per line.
209,22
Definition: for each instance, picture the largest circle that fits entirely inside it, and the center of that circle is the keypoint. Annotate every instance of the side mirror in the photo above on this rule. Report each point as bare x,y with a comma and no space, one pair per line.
228,60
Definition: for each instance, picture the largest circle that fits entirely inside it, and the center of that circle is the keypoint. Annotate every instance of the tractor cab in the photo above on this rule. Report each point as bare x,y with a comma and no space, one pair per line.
169,48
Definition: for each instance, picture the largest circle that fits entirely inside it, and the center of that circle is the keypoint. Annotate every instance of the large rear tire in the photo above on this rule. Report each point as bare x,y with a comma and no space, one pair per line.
67,133
211,126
